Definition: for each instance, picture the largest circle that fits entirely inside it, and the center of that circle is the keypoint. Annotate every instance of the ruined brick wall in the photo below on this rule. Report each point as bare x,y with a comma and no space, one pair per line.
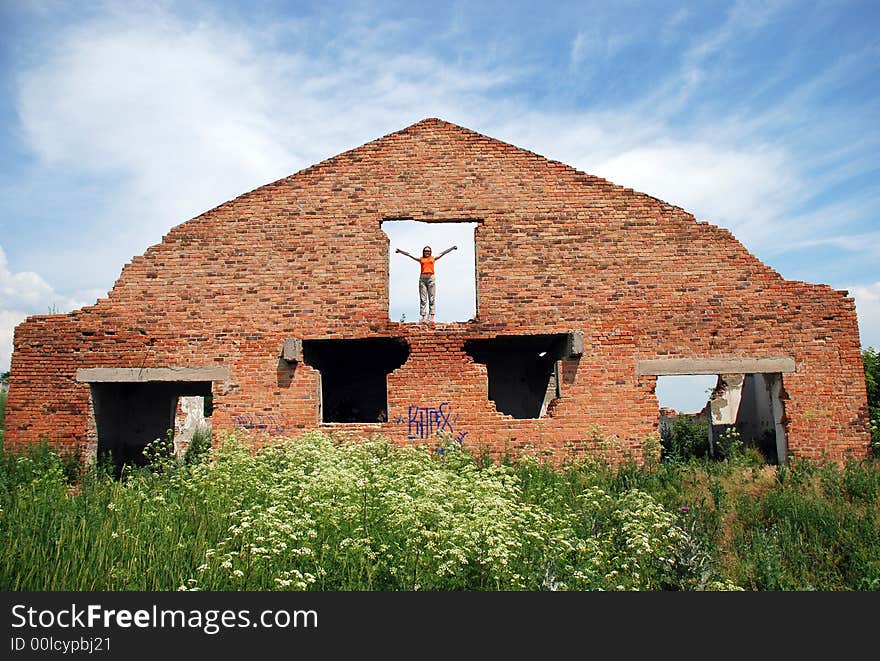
557,251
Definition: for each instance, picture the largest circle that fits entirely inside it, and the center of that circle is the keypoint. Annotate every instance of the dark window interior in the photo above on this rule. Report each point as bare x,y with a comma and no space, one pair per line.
522,369
354,376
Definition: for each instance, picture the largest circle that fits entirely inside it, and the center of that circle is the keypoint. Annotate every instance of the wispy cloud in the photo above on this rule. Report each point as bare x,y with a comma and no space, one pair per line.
168,116
670,30
598,44
869,241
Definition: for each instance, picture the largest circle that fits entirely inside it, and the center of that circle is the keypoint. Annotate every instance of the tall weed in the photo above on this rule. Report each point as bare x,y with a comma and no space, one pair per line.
312,513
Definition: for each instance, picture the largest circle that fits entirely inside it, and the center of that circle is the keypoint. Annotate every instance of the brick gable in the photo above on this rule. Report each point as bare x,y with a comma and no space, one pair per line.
558,251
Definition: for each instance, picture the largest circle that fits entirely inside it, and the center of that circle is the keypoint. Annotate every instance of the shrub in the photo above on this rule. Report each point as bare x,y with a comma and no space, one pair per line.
3,395
871,360
687,437
729,445
40,465
816,530
199,447
312,513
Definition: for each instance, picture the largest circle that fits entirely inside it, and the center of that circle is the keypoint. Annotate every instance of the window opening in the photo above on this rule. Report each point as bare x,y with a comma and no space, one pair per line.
455,272
523,371
698,414
354,376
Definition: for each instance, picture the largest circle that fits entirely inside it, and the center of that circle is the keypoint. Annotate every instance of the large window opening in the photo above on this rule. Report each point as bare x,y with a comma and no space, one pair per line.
455,272
523,371
698,414
131,415
354,376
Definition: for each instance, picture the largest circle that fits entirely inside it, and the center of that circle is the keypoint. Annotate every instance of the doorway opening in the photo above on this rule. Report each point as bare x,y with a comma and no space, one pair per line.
131,415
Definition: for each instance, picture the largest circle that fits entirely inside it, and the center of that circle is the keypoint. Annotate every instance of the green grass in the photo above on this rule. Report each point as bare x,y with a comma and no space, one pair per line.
311,513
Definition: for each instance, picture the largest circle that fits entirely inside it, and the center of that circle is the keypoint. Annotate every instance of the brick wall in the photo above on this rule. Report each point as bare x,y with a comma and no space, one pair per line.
558,250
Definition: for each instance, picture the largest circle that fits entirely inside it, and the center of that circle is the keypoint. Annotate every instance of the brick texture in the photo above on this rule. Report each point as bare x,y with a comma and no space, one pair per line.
557,251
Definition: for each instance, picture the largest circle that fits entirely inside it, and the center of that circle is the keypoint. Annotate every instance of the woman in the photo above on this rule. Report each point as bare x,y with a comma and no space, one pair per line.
427,285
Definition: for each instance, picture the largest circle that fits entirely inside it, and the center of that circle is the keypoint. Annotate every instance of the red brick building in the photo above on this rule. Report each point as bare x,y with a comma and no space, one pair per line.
586,291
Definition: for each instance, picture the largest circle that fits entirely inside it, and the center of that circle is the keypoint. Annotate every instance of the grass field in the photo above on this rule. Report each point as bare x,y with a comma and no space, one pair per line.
313,514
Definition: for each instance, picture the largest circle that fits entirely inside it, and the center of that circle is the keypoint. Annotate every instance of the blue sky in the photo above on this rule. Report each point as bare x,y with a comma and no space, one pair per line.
121,120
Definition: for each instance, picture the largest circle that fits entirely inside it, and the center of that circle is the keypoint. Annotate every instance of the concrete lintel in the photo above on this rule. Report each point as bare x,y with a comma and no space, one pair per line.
668,366
292,350
139,375
574,344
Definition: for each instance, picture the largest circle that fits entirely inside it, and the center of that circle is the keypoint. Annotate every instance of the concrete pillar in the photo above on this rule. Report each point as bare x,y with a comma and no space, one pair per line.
775,383
725,400
190,420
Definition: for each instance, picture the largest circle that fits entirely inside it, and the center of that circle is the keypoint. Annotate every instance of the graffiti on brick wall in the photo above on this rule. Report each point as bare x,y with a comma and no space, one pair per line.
426,421
272,424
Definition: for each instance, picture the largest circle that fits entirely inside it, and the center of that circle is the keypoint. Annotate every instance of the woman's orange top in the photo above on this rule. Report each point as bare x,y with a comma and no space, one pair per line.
427,265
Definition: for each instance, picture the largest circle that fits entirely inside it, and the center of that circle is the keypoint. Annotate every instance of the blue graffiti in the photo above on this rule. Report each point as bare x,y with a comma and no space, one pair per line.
423,422
267,423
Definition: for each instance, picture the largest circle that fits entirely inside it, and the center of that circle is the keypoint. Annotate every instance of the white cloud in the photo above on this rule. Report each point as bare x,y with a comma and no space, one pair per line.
743,190
183,117
173,117
868,310
180,119
21,290
25,293
9,319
